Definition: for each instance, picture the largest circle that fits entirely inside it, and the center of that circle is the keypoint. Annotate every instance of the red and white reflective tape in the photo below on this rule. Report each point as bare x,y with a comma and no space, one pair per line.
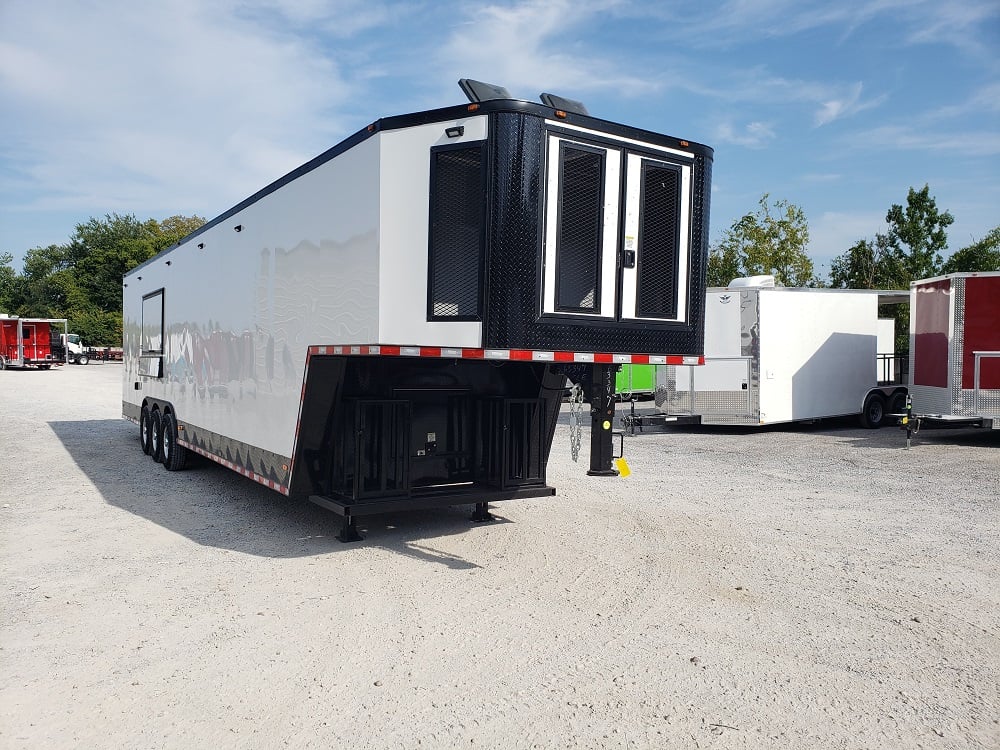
516,355
238,469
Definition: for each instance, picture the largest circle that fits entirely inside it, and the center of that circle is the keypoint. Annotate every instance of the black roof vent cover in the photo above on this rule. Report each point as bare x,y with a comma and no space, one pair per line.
566,105
477,91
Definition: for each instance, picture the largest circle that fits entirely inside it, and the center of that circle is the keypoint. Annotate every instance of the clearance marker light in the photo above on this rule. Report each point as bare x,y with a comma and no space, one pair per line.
561,114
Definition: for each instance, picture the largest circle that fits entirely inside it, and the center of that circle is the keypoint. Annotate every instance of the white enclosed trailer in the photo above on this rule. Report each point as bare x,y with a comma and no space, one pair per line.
391,324
955,349
776,354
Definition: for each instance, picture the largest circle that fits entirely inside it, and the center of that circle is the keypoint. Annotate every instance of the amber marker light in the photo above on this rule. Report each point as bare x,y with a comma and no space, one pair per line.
683,143
561,114
473,107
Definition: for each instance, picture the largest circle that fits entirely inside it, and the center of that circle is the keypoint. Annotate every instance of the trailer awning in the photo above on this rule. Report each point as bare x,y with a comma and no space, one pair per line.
892,297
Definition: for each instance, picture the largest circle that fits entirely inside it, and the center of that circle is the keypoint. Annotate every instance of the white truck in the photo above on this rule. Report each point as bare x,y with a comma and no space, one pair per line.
776,355
72,349
391,324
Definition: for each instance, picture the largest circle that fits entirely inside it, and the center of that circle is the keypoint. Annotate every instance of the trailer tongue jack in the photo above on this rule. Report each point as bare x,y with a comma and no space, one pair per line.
602,417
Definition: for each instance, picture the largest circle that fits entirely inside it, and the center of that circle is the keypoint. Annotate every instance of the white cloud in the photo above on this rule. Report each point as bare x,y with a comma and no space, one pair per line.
963,24
530,46
752,135
845,106
982,143
124,106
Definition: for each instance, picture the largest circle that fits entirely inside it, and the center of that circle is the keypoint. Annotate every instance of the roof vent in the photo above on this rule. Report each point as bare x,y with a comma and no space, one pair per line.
566,105
477,91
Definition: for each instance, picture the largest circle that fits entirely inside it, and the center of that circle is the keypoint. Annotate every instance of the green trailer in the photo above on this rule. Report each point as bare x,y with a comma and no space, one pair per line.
635,381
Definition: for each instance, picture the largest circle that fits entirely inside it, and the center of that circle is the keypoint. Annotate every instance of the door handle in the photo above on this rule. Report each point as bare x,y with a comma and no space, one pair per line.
630,259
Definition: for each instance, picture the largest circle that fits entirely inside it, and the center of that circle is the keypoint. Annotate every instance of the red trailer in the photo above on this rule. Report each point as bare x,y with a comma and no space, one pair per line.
27,342
955,349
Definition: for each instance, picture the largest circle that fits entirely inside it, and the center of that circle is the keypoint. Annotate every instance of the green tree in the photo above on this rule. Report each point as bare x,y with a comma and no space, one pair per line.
772,240
868,264
910,249
983,255
46,283
82,280
102,250
175,228
918,231
9,283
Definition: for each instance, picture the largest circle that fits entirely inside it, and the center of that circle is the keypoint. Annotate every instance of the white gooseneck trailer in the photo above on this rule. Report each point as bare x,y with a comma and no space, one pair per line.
390,325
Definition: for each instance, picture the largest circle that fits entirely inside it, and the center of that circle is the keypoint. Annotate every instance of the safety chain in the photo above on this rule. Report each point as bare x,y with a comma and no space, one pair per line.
575,420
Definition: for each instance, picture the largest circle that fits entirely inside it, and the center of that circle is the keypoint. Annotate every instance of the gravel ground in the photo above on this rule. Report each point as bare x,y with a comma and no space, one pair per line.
816,587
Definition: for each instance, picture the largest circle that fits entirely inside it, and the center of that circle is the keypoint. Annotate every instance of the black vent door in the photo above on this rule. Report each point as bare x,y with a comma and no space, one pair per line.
581,228
656,242
616,246
457,232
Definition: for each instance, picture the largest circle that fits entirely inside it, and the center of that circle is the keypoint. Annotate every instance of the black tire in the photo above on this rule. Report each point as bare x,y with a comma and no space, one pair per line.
156,437
174,456
873,413
44,367
897,404
145,430
3,363
83,359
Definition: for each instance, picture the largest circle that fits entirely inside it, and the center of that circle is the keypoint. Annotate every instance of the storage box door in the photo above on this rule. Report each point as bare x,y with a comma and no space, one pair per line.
656,243
581,229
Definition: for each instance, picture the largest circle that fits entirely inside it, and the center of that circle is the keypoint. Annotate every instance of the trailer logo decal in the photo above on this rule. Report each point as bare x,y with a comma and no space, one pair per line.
724,299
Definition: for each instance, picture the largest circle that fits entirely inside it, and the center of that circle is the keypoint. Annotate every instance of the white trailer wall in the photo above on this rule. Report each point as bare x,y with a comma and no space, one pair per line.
404,177
240,311
817,352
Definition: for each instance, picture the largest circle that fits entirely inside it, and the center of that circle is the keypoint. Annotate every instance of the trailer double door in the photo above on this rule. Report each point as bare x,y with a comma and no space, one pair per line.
617,230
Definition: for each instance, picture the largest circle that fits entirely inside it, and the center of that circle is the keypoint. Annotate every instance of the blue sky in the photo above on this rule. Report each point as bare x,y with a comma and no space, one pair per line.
189,106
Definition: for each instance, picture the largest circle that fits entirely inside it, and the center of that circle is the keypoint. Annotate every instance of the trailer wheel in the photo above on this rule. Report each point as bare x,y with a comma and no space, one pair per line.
174,455
156,437
873,413
145,428
82,359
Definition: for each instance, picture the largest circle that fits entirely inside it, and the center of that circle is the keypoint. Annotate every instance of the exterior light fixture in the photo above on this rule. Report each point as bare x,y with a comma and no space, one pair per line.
455,131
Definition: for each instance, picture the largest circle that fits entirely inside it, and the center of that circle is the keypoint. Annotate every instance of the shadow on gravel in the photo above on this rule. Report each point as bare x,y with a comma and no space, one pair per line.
216,507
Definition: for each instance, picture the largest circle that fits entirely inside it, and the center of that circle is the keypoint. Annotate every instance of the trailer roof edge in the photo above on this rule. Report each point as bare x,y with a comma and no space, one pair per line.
956,275
396,122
